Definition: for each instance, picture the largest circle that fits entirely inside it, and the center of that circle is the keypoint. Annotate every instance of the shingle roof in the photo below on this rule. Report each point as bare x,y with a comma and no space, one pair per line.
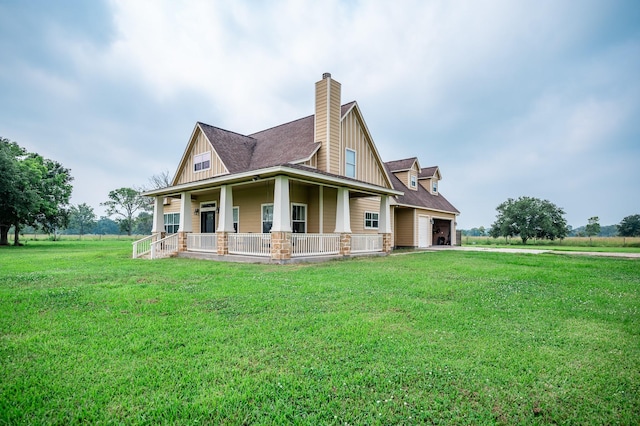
235,150
400,165
421,197
427,172
287,143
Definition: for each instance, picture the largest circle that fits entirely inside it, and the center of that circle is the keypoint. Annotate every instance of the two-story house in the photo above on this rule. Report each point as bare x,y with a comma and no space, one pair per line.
312,187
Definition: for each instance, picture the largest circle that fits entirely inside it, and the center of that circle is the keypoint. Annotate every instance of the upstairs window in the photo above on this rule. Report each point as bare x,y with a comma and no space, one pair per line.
435,186
171,222
299,218
350,163
202,162
414,181
371,220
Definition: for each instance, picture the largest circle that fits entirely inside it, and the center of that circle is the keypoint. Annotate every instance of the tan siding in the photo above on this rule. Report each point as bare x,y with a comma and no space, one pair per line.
393,226
199,144
250,200
404,227
368,168
334,128
313,209
357,208
321,123
404,177
329,210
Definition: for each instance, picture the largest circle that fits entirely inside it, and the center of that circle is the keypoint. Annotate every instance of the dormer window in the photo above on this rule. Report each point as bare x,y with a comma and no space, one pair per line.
435,186
350,163
414,181
202,161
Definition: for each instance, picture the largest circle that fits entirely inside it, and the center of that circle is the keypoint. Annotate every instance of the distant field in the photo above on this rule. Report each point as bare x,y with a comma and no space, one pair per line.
88,335
620,244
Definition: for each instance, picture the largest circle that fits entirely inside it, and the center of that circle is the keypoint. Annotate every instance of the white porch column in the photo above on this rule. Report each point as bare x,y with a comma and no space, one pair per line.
281,208
384,224
225,220
452,240
343,216
158,215
185,212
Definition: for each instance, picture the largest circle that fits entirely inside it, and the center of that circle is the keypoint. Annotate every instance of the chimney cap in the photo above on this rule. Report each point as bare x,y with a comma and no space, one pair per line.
326,75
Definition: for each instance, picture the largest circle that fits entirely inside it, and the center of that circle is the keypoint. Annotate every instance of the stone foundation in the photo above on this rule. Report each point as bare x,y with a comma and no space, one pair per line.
386,243
223,243
182,241
280,245
345,244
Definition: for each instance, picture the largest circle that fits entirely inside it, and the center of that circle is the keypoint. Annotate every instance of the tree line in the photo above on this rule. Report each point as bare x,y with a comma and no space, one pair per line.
531,218
35,193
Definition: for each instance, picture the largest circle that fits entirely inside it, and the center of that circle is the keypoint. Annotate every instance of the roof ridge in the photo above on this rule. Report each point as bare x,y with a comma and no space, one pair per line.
225,130
280,125
402,159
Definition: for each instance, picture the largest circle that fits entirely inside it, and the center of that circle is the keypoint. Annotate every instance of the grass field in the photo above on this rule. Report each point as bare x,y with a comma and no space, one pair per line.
601,244
88,335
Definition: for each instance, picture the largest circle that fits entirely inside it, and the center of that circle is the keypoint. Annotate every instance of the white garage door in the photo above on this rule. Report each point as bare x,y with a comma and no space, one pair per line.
423,231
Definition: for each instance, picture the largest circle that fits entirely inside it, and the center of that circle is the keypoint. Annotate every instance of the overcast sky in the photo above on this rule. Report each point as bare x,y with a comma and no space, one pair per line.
509,98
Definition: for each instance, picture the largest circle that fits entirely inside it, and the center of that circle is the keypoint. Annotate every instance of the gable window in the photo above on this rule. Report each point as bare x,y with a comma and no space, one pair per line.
371,220
202,161
414,181
236,219
171,222
350,163
299,218
267,218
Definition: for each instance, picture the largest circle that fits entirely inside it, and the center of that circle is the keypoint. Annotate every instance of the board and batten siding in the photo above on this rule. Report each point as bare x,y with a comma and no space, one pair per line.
368,168
200,145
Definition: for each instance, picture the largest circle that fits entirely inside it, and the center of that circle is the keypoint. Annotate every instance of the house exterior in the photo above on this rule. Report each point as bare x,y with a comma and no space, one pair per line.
315,188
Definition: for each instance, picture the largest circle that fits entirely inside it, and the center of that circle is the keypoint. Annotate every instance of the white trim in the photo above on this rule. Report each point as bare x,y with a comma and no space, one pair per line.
236,209
426,208
377,219
202,160
271,172
208,209
306,224
355,163
186,222
262,206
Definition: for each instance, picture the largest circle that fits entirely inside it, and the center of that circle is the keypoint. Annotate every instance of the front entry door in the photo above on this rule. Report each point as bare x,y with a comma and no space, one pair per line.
208,222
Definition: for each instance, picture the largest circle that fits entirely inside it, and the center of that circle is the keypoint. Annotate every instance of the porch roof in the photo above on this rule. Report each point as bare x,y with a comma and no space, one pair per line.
296,171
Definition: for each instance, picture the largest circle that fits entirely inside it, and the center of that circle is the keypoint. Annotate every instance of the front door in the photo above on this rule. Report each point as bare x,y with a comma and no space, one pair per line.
208,222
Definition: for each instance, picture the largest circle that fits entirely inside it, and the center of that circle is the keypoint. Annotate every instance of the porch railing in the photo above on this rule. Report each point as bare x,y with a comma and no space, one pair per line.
362,243
164,247
250,244
143,246
202,242
314,244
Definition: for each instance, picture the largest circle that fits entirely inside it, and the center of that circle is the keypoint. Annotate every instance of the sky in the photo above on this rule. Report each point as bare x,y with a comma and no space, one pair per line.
509,98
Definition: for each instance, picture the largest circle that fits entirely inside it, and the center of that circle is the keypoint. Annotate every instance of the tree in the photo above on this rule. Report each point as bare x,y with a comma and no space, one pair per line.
106,226
593,227
527,218
143,224
82,218
161,180
630,226
33,191
125,202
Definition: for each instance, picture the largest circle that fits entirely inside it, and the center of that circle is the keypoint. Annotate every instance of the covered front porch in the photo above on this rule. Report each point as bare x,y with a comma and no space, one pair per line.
278,219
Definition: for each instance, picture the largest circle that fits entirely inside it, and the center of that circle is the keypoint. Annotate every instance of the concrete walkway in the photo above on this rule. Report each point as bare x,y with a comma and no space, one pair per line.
538,251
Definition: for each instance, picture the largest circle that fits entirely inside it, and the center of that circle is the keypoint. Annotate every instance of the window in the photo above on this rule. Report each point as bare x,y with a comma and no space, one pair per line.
267,217
371,220
299,218
435,186
414,181
201,162
236,219
350,163
171,222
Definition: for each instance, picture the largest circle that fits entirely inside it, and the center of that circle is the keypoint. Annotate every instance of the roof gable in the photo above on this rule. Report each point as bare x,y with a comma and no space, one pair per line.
403,165
421,198
430,172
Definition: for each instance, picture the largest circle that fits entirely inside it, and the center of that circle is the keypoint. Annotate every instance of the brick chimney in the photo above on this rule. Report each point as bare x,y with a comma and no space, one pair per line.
327,123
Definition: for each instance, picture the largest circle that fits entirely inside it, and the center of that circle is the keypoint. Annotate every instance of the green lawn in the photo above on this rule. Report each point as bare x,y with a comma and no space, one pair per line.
88,335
